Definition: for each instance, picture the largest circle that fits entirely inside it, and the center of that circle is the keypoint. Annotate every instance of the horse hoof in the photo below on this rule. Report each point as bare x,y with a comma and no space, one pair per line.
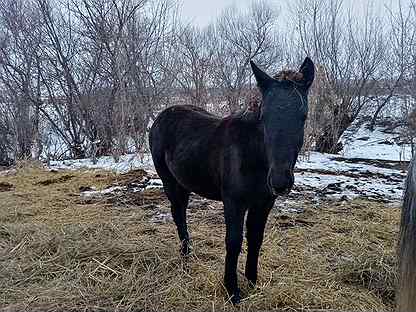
186,249
185,253
236,297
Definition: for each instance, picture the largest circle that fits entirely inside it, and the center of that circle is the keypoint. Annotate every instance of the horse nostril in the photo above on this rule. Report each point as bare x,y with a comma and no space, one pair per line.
281,191
280,182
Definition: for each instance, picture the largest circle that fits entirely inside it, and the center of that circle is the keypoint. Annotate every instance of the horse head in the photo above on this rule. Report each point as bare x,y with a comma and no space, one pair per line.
283,113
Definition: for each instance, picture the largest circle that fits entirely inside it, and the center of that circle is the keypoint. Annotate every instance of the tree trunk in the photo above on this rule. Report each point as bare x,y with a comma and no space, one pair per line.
327,142
23,131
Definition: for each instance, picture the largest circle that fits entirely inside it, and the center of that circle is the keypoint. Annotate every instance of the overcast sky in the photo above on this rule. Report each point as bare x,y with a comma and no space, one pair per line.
202,12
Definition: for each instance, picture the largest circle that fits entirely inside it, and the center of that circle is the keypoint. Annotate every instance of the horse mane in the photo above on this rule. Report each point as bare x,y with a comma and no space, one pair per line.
288,75
253,100
250,115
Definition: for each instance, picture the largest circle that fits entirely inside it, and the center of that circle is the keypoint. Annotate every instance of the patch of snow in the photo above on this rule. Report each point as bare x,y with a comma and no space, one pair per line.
349,187
325,174
378,144
318,175
93,193
90,194
154,183
332,163
125,163
8,172
162,217
113,189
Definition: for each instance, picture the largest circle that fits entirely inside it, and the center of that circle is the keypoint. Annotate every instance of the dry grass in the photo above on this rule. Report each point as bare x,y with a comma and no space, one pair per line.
58,253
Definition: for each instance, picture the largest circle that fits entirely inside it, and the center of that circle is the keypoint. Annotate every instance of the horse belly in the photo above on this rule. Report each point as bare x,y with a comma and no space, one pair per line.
195,176
209,194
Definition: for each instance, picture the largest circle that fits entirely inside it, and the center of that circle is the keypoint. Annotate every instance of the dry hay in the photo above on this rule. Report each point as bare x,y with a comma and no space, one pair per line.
6,186
59,254
61,179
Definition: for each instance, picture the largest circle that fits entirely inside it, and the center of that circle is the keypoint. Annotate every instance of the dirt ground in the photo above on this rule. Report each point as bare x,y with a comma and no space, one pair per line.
66,246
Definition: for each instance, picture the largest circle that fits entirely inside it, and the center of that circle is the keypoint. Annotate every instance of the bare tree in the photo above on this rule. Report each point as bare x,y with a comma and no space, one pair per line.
104,26
86,78
6,136
19,73
400,54
350,54
194,65
152,58
60,91
238,37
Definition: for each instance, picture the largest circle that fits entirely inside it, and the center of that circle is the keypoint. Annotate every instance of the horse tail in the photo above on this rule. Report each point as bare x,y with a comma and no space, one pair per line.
406,294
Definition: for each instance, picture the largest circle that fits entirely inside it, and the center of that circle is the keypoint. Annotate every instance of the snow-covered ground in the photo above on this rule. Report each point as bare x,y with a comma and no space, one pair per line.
372,164
378,144
338,177
125,163
325,175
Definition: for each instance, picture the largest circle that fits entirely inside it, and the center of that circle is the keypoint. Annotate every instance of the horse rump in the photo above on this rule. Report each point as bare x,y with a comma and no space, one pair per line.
406,292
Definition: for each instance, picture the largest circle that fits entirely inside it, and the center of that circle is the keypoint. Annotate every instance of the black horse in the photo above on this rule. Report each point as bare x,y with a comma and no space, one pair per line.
245,160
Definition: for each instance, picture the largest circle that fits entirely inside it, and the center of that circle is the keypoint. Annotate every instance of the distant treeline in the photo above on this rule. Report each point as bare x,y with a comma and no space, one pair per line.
86,78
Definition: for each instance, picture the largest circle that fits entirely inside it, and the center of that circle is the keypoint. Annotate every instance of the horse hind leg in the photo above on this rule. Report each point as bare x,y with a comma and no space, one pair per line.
177,195
179,198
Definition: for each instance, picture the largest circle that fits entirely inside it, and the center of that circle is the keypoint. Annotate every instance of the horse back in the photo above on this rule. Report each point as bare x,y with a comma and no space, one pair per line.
208,155
185,145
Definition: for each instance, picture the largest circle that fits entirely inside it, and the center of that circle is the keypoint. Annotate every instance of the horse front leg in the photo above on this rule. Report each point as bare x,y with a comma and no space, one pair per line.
256,223
234,220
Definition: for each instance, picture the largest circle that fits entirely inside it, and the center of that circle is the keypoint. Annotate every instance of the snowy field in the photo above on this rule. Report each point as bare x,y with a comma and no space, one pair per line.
372,165
125,164
325,174
337,177
379,144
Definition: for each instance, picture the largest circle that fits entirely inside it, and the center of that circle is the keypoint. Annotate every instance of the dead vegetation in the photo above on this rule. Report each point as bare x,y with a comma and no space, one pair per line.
61,179
5,186
290,75
59,253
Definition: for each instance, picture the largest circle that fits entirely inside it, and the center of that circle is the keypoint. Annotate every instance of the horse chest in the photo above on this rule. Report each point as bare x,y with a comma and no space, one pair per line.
244,173
195,173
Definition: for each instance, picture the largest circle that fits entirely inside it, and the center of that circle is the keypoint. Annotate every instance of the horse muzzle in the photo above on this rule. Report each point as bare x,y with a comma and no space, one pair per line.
281,183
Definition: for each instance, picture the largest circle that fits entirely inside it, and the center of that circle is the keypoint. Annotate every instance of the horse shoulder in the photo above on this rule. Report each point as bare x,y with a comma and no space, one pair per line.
245,163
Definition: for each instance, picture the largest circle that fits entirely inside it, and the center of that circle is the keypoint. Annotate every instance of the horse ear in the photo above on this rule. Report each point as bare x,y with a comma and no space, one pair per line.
308,71
263,80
